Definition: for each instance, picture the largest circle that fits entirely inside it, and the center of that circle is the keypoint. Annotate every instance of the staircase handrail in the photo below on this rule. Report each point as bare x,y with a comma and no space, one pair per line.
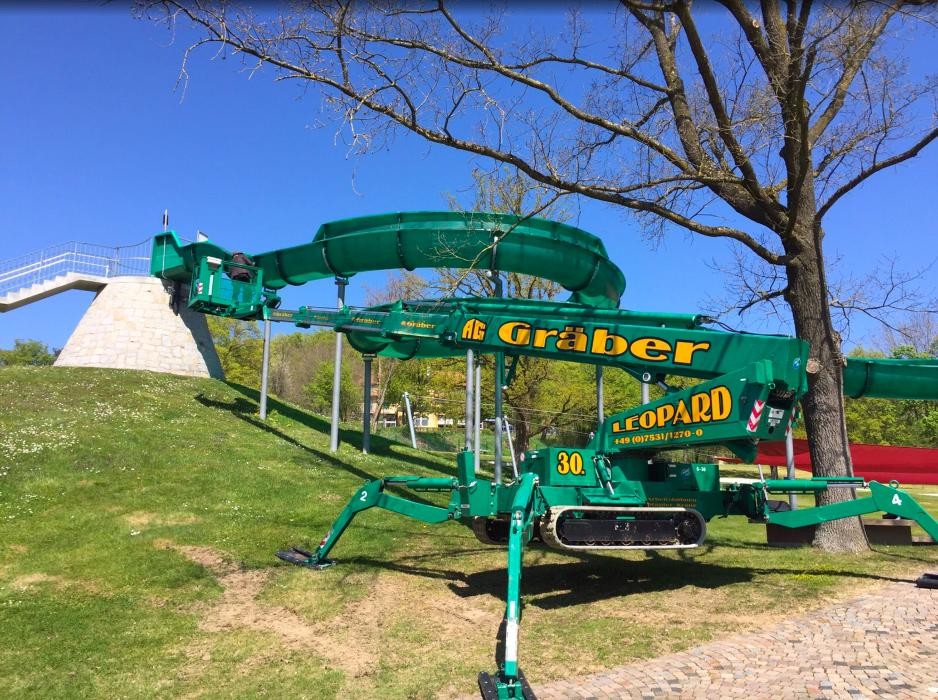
48,263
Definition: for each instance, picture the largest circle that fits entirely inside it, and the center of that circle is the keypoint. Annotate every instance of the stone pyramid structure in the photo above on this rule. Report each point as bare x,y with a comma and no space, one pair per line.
133,324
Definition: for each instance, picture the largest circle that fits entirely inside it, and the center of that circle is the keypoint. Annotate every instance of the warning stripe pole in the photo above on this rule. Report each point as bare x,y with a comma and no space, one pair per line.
790,456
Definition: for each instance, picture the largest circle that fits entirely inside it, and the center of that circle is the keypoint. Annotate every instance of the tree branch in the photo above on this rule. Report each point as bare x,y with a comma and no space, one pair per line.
725,127
551,179
854,61
760,297
875,168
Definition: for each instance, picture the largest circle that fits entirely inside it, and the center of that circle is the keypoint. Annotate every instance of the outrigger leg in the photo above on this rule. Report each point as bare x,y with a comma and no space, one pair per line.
888,499
509,682
372,495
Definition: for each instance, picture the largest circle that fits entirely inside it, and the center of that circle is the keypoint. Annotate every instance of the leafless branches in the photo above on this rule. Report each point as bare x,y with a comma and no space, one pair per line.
919,331
887,294
777,119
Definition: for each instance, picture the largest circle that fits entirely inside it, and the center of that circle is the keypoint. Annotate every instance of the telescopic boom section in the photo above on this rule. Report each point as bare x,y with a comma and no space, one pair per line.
755,381
648,346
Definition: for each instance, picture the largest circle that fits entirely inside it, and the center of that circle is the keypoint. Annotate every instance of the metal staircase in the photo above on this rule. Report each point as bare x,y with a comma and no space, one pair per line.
73,265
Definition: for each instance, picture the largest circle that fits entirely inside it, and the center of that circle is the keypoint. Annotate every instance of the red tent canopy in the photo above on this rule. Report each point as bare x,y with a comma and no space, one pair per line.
907,465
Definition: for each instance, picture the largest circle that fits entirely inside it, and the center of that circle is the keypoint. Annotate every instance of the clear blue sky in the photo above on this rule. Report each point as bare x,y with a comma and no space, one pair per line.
95,142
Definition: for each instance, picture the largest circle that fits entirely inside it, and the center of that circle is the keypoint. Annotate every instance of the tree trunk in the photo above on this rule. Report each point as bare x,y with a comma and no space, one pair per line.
385,371
823,404
520,433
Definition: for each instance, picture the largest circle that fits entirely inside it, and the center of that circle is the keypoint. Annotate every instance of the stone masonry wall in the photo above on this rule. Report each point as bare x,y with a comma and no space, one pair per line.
130,325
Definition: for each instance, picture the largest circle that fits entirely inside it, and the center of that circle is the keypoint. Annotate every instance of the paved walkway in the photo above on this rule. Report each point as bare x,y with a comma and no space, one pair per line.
881,645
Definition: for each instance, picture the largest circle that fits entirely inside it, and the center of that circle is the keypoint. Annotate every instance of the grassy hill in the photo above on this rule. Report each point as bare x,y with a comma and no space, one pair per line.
139,515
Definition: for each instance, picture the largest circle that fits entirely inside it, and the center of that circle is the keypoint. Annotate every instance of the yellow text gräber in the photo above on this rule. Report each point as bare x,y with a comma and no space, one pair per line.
600,342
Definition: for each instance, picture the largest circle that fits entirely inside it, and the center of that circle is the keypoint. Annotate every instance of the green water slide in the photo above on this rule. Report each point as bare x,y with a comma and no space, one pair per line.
891,379
573,258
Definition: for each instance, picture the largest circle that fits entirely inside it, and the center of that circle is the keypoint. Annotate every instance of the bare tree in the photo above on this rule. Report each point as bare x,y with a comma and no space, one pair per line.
791,106
406,285
536,399
886,294
918,333
511,192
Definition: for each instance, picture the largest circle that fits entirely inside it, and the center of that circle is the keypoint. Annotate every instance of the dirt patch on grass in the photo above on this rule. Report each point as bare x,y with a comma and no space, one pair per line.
344,644
400,616
142,519
453,613
25,582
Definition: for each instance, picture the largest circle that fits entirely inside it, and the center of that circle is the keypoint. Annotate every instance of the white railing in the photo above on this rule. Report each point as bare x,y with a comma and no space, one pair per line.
82,258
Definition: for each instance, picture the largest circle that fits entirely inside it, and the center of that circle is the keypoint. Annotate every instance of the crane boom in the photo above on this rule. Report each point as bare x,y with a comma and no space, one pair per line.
648,346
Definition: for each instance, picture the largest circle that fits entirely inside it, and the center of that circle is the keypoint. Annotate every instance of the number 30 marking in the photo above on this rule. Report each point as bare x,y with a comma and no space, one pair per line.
570,463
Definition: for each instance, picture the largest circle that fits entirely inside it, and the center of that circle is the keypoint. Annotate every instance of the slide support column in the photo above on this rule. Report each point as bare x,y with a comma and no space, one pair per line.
341,283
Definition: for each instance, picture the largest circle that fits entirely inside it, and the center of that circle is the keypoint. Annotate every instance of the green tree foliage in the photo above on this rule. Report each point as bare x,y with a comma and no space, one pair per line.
300,364
319,392
27,352
295,358
240,349
567,403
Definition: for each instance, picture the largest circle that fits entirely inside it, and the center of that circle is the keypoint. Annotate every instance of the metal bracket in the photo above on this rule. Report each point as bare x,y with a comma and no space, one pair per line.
301,557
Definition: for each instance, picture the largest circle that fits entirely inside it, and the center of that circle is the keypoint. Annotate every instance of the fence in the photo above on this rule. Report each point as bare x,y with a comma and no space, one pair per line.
83,258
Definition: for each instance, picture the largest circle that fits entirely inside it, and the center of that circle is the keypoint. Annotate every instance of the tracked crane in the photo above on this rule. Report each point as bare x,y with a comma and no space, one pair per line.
616,492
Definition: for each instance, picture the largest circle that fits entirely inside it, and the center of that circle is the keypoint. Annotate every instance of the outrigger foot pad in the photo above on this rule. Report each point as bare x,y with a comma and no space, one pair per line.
301,557
489,685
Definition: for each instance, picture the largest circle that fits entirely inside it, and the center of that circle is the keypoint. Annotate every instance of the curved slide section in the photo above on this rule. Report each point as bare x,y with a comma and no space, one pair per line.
573,258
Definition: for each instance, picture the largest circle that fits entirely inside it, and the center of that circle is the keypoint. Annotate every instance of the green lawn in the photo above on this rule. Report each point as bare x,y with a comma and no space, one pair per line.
139,514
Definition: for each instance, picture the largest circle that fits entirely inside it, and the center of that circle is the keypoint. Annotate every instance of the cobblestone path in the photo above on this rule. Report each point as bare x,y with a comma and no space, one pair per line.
883,644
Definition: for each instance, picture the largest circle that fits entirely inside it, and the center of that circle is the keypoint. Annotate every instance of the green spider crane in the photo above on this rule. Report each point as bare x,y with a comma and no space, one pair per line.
615,493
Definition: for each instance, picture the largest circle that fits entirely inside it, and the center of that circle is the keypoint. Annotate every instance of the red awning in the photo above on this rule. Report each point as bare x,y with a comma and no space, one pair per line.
907,465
